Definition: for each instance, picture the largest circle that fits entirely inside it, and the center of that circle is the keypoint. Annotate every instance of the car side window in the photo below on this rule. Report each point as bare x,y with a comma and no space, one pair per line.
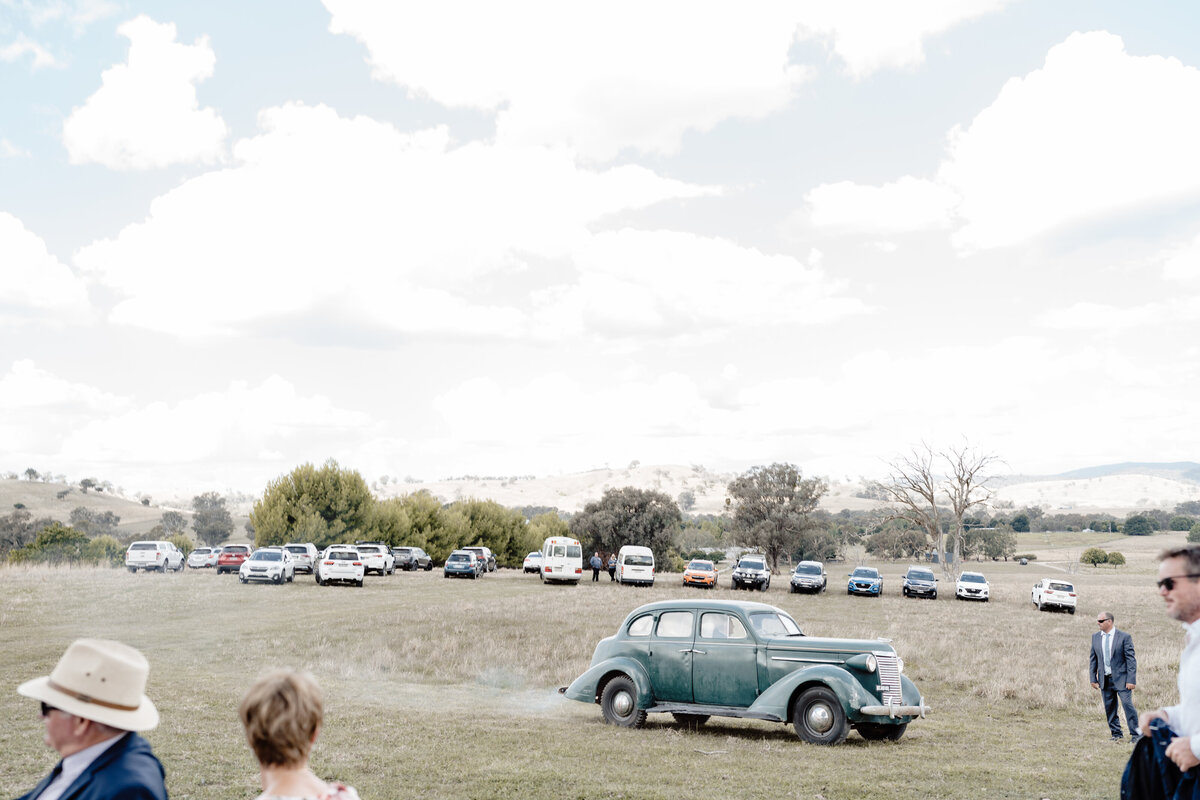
721,626
642,625
675,624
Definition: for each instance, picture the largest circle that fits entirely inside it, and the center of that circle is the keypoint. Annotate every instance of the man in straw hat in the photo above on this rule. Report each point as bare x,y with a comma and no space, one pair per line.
92,704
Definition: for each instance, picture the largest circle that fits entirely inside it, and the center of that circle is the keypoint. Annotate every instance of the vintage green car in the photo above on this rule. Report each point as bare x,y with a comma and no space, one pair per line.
702,658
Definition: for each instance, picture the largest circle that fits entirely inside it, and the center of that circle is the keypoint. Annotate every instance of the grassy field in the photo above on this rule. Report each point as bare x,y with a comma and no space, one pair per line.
439,688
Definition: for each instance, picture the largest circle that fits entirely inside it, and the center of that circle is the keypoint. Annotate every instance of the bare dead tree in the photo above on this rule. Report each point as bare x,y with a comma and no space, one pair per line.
912,489
966,487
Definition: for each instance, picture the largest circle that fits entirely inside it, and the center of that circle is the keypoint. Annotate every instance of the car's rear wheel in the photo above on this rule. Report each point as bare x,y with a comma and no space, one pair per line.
1071,609
618,702
361,583
690,720
876,732
818,717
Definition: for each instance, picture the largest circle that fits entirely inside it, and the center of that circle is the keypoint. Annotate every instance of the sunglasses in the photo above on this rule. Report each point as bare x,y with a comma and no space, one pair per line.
47,708
1169,583
1101,621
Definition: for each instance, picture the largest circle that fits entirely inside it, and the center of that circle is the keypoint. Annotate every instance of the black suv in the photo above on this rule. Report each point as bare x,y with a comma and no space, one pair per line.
919,582
752,572
411,558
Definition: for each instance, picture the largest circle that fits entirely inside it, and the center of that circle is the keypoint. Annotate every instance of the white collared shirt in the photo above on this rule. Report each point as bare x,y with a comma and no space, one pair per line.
1184,718
73,766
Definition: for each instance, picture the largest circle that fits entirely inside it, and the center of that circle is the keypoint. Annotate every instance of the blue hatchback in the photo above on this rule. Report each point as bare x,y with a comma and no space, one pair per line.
865,580
461,564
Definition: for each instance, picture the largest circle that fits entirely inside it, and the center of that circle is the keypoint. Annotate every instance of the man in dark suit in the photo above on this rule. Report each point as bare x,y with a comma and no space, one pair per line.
92,704
1113,670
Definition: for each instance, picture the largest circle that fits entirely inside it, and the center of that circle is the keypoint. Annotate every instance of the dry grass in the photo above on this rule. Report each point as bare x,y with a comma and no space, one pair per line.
440,688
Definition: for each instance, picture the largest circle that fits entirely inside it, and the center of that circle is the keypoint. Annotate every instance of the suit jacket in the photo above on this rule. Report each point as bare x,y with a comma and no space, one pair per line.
1122,659
128,770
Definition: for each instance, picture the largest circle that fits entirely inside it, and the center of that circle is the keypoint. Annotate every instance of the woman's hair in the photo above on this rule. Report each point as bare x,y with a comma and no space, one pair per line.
281,713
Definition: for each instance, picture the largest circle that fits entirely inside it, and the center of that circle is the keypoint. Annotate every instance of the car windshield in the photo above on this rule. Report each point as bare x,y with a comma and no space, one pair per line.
639,561
701,566
266,555
865,572
920,575
808,569
968,577
1061,587
774,623
751,563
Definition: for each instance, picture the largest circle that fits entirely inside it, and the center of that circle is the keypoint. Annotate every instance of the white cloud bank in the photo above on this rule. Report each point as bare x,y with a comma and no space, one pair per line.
145,114
32,281
396,230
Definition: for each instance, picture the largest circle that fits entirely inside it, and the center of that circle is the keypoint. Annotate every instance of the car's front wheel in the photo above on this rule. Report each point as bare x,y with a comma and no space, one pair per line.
876,732
818,717
618,702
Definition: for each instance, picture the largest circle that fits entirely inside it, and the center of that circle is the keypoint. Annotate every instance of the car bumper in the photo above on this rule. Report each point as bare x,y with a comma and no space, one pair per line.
806,586
967,594
861,589
921,591
265,577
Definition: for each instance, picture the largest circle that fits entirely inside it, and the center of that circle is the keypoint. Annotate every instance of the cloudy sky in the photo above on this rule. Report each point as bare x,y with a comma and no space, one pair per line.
437,239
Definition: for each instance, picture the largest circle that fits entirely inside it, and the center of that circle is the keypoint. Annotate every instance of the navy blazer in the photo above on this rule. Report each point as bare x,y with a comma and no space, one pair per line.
128,770
1122,659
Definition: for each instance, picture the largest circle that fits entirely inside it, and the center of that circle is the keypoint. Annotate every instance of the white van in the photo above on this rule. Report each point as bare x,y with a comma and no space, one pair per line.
562,560
635,565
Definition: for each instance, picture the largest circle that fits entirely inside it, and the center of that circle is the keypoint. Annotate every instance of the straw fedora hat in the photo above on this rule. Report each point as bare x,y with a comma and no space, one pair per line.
100,680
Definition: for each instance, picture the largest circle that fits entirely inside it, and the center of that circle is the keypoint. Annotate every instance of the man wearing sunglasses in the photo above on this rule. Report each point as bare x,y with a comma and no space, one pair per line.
91,704
1164,761
1112,669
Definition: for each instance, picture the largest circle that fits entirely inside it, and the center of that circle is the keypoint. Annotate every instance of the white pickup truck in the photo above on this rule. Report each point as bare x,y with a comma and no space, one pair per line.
1052,592
157,555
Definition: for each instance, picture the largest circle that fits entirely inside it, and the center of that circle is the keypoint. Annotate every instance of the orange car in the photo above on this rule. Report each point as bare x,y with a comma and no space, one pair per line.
700,573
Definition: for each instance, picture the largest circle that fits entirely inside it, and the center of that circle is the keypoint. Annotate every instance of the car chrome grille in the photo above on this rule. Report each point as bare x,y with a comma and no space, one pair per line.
889,677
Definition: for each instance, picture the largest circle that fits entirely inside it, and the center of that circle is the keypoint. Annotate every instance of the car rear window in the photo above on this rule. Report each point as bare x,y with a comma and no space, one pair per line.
342,555
297,549
401,551
144,546
639,561
237,548
1061,587
458,557
574,551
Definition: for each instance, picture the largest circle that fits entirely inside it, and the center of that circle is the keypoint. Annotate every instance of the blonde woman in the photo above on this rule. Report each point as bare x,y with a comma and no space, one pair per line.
282,715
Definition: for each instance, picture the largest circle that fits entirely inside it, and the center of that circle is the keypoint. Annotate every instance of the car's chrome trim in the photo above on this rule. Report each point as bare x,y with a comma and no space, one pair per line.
810,660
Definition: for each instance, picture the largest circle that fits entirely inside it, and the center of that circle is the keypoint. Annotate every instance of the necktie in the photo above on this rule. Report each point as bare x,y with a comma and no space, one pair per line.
54,773
1108,652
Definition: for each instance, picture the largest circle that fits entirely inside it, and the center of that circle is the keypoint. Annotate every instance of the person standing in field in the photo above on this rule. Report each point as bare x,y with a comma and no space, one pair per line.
612,566
1164,759
1112,668
596,563
281,714
92,704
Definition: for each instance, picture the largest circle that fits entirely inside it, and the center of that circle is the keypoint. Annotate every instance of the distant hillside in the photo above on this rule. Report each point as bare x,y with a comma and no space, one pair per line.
1174,470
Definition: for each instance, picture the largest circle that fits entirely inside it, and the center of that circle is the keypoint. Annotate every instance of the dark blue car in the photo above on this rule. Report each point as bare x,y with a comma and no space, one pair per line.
865,580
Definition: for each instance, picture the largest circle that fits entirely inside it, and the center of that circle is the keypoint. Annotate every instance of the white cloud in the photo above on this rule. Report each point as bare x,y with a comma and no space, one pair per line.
237,424
23,46
1094,132
145,114
664,283
37,408
869,35
909,204
33,282
598,78
1102,318
1183,265
10,150
394,229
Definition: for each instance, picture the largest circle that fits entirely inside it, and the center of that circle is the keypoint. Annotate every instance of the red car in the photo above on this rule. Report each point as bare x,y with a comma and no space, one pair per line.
232,556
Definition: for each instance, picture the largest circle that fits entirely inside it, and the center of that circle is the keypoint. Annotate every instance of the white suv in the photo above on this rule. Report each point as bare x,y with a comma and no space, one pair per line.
304,555
377,558
339,564
1050,592
156,555
272,564
972,586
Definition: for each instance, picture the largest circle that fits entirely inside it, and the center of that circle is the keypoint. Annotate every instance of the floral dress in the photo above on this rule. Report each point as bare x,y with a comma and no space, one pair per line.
335,791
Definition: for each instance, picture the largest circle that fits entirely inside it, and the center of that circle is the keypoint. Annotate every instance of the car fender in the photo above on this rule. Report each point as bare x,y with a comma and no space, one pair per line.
776,701
586,688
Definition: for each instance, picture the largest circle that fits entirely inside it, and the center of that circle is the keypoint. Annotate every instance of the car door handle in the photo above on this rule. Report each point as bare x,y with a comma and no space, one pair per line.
698,652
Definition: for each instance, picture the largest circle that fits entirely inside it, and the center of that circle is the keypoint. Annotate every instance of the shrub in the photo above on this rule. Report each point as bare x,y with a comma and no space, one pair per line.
1194,533
1093,556
1026,556
105,550
1116,559
182,542
1181,523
